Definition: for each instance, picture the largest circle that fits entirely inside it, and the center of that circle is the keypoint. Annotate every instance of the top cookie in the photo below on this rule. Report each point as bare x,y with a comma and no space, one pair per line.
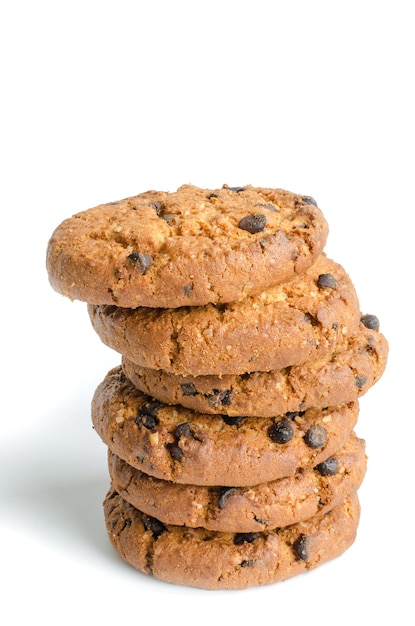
187,248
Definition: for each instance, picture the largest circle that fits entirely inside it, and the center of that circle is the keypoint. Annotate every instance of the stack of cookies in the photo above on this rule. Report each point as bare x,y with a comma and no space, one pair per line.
230,417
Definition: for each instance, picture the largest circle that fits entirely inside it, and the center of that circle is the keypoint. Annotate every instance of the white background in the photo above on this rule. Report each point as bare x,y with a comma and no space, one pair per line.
101,100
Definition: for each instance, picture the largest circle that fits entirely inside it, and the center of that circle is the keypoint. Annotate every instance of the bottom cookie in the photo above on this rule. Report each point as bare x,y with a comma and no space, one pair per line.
215,560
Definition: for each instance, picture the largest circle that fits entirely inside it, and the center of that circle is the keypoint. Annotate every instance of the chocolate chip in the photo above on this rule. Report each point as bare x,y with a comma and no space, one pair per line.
184,430
360,381
153,525
219,397
370,321
247,563
187,289
272,207
301,547
233,421
188,389
147,415
235,189
157,206
281,432
310,319
148,421
141,260
309,200
241,538
169,218
253,223
293,414
212,195
316,436
326,281
175,451
224,493
269,206
328,467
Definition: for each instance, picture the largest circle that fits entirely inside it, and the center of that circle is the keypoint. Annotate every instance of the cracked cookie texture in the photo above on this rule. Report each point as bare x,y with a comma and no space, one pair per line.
296,321
178,444
343,375
185,248
197,557
260,507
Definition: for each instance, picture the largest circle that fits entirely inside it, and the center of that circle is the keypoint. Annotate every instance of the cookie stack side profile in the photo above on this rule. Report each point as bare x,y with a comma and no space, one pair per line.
230,420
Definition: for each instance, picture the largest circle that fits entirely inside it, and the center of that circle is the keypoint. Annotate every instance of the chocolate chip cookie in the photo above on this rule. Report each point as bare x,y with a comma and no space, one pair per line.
177,444
344,375
245,509
217,560
185,248
289,324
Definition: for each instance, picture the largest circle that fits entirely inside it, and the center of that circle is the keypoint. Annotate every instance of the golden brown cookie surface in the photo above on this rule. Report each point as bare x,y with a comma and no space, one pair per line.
214,560
245,509
185,248
343,375
174,443
294,322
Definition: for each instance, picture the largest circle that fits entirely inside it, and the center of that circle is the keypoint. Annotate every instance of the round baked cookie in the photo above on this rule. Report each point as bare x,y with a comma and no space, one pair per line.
177,444
344,375
206,559
245,509
185,248
289,324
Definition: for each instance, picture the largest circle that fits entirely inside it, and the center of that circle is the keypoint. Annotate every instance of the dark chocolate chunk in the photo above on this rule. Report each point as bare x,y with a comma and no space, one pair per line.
328,467
219,397
269,206
316,436
327,281
212,195
157,206
281,432
224,493
309,200
147,415
360,381
235,189
153,525
184,430
272,207
175,451
247,563
241,538
370,321
293,414
232,421
168,217
148,421
187,289
310,319
188,389
301,547
253,223
141,260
